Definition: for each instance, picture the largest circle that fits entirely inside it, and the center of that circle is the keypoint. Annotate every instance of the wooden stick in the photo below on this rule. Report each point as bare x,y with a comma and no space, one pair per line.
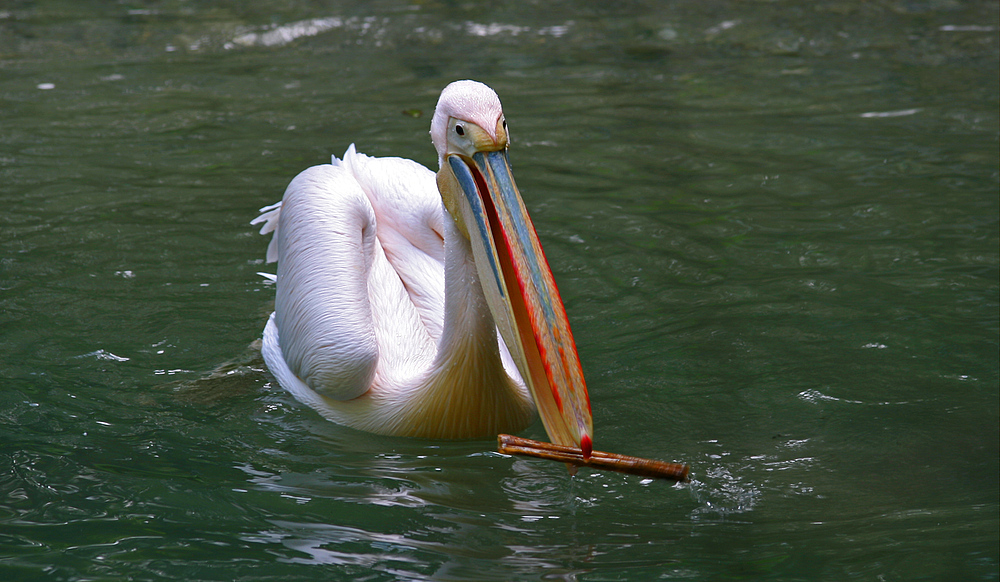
512,445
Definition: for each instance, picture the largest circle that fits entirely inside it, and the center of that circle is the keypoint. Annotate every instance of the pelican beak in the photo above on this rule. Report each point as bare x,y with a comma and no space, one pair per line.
522,294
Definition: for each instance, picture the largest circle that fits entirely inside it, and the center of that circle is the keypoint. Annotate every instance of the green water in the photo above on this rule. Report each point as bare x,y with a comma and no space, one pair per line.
774,225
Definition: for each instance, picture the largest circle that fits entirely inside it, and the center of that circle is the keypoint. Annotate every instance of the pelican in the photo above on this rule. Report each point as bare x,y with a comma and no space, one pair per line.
421,305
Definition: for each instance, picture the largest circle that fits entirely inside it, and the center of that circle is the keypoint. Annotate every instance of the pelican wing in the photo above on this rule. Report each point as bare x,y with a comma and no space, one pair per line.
409,214
355,288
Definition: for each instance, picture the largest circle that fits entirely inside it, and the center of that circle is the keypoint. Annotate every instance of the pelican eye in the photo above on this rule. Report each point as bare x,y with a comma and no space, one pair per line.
459,130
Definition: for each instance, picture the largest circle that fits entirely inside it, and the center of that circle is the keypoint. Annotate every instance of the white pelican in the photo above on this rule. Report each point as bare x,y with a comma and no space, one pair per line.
397,314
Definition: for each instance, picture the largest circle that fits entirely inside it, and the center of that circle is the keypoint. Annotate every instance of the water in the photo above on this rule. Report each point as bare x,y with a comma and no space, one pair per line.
774,225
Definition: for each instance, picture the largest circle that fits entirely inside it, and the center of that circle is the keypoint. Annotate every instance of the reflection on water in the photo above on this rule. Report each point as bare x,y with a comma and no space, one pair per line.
455,509
774,226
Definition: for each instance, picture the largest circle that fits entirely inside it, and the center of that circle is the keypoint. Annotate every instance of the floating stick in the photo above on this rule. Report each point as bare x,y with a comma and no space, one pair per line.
512,445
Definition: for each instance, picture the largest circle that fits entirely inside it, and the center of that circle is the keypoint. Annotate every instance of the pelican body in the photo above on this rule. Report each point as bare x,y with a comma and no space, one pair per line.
421,305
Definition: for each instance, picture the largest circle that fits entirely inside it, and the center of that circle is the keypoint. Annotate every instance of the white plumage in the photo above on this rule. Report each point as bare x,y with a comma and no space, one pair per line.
360,246
384,318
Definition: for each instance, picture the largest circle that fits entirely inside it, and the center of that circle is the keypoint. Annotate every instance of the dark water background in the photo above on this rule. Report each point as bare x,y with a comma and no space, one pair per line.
774,225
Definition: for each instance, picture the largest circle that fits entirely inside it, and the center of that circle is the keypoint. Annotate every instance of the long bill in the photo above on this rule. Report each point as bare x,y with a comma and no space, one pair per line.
523,296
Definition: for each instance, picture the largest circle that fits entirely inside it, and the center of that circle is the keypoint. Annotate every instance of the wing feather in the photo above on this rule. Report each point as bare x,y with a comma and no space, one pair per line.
360,282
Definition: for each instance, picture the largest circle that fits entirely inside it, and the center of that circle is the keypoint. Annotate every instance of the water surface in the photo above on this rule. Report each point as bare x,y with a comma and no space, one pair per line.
774,225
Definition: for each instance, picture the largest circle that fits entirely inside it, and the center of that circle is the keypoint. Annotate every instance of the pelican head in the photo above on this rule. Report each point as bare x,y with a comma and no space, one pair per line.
470,134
